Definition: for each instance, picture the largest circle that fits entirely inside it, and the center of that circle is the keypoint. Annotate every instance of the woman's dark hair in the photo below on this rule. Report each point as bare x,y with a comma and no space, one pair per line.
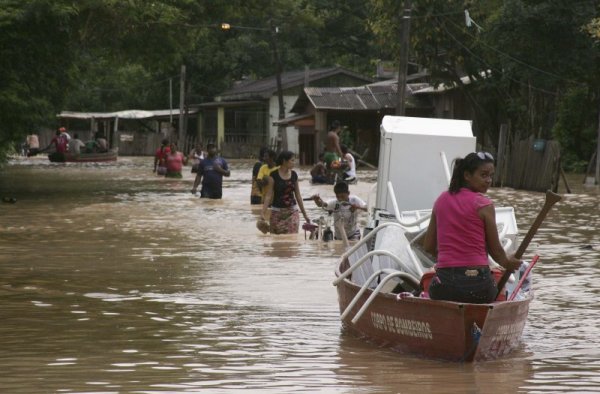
261,152
470,163
344,149
284,156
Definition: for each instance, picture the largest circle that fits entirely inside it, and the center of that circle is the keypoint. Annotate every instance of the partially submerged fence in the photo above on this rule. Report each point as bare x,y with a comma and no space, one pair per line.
530,164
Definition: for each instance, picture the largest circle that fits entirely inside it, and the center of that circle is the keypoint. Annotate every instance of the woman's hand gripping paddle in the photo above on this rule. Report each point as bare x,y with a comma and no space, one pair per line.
551,199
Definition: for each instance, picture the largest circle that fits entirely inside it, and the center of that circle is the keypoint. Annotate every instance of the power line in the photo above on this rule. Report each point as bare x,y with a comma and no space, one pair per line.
534,68
490,66
129,87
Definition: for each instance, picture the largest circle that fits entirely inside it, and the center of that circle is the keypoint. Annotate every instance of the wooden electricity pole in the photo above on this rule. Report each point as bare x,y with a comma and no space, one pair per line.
403,66
278,71
181,136
597,176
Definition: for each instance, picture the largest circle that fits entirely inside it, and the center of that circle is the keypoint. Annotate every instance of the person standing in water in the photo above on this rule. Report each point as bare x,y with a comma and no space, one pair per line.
349,175
283,197
160,156
255,192
333,151
195,156
174,161
262,178
345,209
211,171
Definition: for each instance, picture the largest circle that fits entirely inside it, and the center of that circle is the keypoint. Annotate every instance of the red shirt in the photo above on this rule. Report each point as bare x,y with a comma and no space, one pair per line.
161,154
60,142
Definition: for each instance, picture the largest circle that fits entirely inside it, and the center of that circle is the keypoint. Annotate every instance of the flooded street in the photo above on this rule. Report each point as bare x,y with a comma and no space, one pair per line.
115,280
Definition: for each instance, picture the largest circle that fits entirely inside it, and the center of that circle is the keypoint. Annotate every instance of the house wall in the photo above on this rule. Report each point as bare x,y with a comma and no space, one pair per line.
273,115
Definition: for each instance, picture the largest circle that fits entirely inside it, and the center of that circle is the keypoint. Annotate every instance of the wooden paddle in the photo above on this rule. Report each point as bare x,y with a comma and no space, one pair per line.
551,199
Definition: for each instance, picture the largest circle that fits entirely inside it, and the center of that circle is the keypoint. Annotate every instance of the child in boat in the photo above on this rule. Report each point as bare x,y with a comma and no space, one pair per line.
345,209
101,143
462,231
75,145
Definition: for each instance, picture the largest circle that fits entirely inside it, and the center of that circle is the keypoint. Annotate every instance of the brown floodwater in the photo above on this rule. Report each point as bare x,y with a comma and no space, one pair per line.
115,280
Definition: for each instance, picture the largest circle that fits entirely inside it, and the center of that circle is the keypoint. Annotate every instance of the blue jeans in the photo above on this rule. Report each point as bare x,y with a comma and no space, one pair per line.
464,284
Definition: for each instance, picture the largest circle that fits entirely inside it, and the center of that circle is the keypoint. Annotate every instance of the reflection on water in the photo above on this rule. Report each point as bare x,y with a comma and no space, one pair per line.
115,280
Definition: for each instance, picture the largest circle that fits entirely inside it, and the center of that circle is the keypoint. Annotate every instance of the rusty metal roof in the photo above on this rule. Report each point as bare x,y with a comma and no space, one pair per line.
267,87
359,98
372,97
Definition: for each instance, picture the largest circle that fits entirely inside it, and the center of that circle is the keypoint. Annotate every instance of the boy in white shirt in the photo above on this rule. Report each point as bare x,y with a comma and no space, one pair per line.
345,209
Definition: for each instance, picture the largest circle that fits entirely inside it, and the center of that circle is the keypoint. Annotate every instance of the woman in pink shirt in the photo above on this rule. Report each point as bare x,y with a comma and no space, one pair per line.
462,231
174,161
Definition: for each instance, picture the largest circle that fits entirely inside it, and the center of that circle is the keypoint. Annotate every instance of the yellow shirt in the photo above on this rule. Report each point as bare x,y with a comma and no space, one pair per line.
264,172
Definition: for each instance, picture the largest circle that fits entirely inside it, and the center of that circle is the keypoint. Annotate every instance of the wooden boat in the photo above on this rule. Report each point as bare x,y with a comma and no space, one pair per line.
111,155
379,279
428,328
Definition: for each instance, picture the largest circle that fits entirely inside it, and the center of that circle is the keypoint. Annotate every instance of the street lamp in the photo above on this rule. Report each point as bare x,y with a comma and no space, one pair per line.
274,30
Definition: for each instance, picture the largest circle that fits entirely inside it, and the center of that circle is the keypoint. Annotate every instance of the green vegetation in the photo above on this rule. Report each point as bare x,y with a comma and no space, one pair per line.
540,58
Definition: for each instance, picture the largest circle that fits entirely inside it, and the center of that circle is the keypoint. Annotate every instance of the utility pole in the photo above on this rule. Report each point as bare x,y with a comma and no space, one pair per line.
171,101
274,30
403,63
181,135
278,72
597,177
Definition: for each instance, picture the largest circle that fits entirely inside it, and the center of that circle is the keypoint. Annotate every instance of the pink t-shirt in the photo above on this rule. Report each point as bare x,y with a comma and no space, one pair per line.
174,161
460,230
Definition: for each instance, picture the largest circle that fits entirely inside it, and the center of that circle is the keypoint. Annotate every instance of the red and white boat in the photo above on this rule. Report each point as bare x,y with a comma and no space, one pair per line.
378,279
110,155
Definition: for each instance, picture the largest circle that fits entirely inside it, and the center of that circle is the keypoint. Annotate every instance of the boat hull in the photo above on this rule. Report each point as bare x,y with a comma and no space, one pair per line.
436,329
111,155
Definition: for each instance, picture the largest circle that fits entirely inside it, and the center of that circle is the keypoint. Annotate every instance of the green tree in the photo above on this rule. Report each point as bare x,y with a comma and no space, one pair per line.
35,65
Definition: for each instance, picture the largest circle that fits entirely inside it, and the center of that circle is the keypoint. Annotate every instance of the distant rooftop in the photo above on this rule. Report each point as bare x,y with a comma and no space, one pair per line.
267,87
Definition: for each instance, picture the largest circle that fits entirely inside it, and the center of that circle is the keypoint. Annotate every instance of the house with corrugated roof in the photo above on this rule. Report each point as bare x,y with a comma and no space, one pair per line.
360,110
241,119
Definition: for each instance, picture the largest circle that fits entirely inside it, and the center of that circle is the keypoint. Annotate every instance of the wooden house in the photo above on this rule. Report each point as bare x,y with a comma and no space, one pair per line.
360,111
241,119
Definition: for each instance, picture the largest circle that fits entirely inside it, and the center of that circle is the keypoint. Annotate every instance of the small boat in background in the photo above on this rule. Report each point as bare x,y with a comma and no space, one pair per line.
110,155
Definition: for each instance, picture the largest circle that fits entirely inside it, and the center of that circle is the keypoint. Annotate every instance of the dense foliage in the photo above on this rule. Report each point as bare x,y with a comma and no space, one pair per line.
536,63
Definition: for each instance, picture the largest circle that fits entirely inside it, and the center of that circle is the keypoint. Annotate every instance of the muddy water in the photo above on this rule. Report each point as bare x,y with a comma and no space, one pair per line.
115,280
